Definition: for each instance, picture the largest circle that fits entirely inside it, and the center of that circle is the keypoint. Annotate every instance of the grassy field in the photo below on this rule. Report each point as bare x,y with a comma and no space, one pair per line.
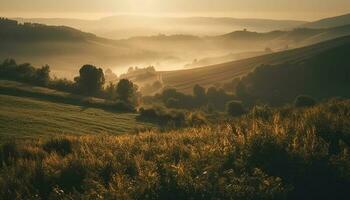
267,154
29,111
27,117
184,80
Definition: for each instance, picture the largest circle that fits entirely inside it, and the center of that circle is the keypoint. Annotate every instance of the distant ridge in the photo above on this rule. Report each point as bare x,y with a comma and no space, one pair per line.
329,22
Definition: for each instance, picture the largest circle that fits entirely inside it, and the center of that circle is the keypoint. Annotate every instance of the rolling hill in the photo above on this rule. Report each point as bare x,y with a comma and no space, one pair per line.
329,22
64,48
184,80
28,111
125,26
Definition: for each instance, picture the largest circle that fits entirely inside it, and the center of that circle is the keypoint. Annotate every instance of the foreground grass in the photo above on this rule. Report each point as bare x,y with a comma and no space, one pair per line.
27,117
283,154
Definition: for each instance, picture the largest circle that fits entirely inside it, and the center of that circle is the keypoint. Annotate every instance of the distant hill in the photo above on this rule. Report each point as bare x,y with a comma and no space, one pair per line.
32,32
329,22
184,80
65,49
125,26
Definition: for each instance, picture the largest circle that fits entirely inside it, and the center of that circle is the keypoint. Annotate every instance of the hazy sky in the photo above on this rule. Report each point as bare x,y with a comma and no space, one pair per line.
278,9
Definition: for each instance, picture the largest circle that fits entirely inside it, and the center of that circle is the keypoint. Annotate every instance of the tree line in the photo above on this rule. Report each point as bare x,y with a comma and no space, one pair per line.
90,81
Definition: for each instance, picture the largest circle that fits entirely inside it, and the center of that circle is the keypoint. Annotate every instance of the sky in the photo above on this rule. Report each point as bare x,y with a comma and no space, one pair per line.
273,9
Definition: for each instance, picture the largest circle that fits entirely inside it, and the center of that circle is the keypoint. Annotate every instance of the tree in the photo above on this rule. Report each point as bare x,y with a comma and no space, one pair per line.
43,75
91,80
126,90
199,91
199,94
110,91
235,108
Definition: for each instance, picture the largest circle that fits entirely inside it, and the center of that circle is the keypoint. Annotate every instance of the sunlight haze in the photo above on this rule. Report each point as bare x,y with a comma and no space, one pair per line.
282,9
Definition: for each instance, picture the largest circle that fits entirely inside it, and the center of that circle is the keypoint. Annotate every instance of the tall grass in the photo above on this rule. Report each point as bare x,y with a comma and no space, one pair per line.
282,154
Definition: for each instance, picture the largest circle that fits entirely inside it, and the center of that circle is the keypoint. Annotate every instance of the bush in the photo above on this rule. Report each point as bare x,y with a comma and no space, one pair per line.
172,103
122,106
196,119
235,108
304,101
261,112
72,176
163,116
61,146
8,153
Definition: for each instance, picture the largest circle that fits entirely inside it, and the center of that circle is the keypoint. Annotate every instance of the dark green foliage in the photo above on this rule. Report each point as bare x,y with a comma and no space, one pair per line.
174,99
162,116
122,106
8,153
217,98
43,75
172,103
91,80
235,108
72,176
304,101
61,146
126,91
10,70
199,92
63,85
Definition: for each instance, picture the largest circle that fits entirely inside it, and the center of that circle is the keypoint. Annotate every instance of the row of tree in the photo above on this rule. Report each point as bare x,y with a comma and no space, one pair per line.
90,82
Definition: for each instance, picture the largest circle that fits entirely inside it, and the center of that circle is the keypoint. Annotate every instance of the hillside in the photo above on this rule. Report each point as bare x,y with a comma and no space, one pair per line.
28,111
284,154
65,49
322,76
184,80
330,22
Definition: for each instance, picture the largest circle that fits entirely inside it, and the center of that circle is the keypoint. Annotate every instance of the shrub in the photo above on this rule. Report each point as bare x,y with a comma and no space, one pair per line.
196,119
261,112
266,153
8,153
72,176
150,113
163,116
235,108
61,146
304,101
122,106
172,103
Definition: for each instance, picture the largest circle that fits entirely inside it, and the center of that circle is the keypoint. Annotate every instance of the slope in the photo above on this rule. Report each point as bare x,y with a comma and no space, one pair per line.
329,22
36,115
184,80
64,48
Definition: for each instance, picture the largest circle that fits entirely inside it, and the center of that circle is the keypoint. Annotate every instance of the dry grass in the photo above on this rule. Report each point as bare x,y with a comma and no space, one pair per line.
283,154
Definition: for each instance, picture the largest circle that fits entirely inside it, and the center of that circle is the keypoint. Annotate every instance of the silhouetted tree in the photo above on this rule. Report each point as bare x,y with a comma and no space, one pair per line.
199,95
91,80
43,75
235,108
126,90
